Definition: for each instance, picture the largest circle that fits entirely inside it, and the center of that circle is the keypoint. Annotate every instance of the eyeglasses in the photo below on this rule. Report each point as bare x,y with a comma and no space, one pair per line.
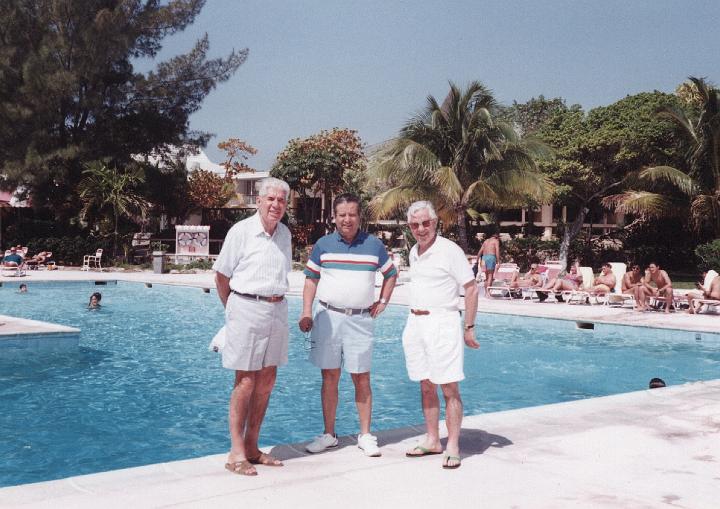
636,268
426,224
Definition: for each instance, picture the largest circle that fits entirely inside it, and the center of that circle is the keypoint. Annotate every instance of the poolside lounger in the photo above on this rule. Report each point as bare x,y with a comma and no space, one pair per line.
707,303
92,261
618,298
583,294
548,271
501,284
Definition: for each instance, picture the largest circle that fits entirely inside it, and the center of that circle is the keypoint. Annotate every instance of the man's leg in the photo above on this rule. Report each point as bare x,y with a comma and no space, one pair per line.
363,399
264,383
668,298
329,397
431,411
453,420
238,413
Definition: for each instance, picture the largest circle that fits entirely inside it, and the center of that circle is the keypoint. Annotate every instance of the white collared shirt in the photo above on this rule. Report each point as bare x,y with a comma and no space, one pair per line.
254,261
437,275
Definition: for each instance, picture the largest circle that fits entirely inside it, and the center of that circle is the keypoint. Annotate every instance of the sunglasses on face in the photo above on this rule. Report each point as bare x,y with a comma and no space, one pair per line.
415,226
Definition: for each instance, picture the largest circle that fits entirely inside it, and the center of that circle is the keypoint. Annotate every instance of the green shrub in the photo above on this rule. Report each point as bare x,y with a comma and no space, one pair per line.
709,255
527,250
70,250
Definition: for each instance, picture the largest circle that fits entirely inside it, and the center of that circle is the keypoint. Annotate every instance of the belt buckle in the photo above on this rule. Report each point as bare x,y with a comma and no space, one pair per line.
348,311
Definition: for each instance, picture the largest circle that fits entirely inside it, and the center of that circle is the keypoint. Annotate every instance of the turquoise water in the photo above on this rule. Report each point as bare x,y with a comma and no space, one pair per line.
143,388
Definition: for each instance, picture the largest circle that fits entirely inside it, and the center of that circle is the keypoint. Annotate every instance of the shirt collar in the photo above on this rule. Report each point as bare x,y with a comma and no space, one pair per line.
358,238
257,228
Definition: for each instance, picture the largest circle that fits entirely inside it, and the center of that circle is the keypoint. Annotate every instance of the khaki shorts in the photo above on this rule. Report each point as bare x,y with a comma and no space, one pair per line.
434,347
256,334
342,340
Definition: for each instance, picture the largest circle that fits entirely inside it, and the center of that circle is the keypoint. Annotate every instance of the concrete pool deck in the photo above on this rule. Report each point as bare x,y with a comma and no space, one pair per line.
650,448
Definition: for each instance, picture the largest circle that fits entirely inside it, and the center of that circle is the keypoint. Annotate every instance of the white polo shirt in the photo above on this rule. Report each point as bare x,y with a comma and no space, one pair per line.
254,261
437,275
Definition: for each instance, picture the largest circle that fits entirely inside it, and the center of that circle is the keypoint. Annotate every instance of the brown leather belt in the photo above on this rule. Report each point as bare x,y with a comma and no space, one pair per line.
272,298
346,311
419,312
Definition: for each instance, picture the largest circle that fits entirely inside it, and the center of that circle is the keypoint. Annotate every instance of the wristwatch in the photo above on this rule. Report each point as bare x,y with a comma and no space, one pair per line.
382,301
468,327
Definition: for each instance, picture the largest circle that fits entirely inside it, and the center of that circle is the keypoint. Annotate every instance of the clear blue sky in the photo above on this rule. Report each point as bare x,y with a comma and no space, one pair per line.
369,65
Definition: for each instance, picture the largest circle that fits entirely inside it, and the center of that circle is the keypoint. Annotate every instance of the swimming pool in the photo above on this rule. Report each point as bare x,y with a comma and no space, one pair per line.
143,388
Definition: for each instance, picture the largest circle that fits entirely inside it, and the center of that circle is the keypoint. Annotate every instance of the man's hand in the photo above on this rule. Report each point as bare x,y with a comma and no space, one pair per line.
377,308
469,337
305,324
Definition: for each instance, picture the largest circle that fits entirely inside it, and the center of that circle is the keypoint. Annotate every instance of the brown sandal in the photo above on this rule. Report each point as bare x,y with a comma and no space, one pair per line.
265,459
243,467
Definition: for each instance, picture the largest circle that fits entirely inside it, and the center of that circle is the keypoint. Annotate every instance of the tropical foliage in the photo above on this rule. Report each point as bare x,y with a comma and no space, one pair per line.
109,194
691,188
208,190
70,94
320,164
597,153
461,157
237,152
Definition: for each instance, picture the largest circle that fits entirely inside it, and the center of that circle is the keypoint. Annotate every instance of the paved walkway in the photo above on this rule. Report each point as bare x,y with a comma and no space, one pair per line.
644,449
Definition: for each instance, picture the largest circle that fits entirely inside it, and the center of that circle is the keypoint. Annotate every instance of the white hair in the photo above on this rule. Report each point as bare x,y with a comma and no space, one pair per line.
264,186
420,205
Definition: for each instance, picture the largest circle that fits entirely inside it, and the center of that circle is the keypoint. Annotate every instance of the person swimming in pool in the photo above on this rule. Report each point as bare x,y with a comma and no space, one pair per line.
488,257
95,299
22,288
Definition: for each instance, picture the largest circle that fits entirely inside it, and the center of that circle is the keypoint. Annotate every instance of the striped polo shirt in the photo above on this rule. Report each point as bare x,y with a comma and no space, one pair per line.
347,270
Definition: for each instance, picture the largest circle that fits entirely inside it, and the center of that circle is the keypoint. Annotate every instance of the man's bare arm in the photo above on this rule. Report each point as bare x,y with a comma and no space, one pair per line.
385,293
471,305
222,283
309,291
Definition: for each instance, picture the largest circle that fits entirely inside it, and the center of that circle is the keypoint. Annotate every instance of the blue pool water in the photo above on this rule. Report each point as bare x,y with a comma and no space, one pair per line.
143,388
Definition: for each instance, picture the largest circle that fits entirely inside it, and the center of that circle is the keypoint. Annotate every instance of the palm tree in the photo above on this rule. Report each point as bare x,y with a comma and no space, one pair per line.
462,159
699,183
108,193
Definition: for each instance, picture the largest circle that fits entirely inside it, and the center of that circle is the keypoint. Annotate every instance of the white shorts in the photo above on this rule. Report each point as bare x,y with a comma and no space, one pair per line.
342,340
434,347
256,334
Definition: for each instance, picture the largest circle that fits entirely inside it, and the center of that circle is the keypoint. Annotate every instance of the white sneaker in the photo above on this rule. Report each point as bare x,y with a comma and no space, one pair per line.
324,441
368,443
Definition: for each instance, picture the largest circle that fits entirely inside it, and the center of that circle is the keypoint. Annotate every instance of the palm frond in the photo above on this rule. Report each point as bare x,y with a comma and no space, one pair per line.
705,211
448,184
684,182
642,203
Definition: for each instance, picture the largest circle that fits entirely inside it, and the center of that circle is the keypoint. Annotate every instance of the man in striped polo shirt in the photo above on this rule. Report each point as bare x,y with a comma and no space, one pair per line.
341,272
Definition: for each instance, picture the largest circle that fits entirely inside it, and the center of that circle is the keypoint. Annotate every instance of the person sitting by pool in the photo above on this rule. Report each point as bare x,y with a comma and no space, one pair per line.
13,259
632,284
531,279
568,282
605,282
663,286
95,299
702,293
38,259
22,288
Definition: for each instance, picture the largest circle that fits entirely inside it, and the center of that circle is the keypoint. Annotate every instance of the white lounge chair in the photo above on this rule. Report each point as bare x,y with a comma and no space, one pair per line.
707,303
617,298
582,294
500,288
92,261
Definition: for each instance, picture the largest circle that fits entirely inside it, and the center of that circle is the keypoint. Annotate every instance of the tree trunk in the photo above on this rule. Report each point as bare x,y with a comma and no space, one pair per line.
462,229
570,233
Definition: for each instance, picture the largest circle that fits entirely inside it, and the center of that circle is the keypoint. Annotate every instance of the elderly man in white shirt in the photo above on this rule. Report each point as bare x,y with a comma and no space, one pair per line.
435,333
251,275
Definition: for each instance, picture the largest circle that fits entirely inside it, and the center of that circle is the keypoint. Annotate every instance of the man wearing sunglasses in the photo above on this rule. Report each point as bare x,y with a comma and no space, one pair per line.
436,333
341,271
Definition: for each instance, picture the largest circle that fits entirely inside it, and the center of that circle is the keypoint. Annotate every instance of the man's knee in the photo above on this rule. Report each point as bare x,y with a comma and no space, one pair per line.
361,379
331,375
427,387
451,391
